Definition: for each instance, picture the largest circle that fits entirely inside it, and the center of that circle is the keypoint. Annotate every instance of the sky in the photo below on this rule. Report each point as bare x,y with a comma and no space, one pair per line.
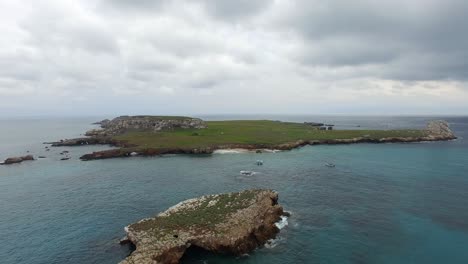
198,57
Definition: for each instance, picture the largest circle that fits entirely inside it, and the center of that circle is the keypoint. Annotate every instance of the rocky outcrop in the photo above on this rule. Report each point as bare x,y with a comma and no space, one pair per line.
14,160
103,123
439,130
123,124
84,141
232,223
121,153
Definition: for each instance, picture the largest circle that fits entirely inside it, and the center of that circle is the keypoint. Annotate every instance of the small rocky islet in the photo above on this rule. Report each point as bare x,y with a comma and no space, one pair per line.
229,223
14,160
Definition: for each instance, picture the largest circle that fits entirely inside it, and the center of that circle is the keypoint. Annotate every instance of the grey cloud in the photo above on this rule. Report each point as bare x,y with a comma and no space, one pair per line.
332,50
132,5
228,9
337,33
19,66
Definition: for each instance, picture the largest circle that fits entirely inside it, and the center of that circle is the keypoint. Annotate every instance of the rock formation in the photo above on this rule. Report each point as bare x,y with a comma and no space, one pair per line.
232,223
122,124
14,160
439,129
84,141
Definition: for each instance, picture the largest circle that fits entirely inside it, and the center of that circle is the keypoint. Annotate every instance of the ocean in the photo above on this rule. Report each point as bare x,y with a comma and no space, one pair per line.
382,203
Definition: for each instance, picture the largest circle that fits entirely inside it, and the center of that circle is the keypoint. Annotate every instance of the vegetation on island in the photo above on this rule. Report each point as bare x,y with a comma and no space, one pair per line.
249,132
208,212
158,135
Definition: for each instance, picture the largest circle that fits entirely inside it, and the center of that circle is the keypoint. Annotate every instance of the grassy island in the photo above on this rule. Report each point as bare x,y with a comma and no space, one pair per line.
252,132
156,135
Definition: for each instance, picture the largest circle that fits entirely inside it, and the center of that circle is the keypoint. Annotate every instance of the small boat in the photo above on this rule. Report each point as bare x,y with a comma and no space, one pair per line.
247,173
259,162
330,165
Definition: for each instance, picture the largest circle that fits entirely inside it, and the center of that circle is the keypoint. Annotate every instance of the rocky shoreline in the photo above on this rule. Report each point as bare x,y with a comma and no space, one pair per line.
230,223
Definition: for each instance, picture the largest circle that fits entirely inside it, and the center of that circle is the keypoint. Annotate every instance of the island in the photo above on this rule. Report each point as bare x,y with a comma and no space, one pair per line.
229,223
14,160
157,135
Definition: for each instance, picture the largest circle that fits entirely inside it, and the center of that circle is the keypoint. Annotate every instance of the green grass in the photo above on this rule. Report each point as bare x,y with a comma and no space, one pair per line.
203,216
161,117
264,132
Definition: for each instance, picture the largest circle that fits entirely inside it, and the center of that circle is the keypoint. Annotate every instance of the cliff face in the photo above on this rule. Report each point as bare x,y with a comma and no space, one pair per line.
232,223
439,129
144,123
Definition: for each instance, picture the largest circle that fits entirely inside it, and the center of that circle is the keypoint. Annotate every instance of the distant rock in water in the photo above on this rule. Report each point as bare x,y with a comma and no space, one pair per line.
231,223
14,160
102,122
123,124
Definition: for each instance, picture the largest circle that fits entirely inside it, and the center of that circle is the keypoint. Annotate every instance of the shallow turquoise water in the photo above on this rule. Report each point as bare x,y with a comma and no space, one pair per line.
391,203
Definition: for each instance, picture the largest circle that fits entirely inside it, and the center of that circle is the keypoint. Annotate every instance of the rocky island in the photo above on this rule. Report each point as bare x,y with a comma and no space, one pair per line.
157,135
14,160
231,223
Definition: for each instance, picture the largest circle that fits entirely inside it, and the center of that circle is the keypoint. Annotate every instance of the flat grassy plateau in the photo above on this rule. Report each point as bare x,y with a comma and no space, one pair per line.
250,132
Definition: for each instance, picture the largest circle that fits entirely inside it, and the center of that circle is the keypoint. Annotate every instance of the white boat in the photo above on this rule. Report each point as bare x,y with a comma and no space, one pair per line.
247,173
330,165
259,162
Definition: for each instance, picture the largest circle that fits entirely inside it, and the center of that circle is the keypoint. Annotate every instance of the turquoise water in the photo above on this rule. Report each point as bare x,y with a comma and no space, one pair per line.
390,203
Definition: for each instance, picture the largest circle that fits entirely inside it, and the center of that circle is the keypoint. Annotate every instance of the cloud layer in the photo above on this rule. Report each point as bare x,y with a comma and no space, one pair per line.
201,57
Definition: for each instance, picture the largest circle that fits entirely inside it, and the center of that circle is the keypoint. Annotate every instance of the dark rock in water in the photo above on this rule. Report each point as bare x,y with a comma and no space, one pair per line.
103,123
314,124
121,153
14,160
231,223
83,142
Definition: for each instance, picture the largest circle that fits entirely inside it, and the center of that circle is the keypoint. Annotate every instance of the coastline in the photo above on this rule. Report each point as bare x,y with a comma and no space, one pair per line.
259,148
156,135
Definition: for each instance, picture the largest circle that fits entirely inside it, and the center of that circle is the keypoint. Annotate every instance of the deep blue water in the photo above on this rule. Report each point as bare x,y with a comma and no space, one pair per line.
390,203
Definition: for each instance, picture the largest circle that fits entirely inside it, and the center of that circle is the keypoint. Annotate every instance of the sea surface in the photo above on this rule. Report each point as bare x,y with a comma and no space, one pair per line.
387,203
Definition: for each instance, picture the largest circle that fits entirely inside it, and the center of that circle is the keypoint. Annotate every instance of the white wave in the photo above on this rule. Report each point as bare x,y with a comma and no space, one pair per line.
272,243
231,151
271,150
282,223
242,151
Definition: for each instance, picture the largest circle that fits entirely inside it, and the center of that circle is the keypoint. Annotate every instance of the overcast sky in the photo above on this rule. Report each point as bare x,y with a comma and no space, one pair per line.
112,57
